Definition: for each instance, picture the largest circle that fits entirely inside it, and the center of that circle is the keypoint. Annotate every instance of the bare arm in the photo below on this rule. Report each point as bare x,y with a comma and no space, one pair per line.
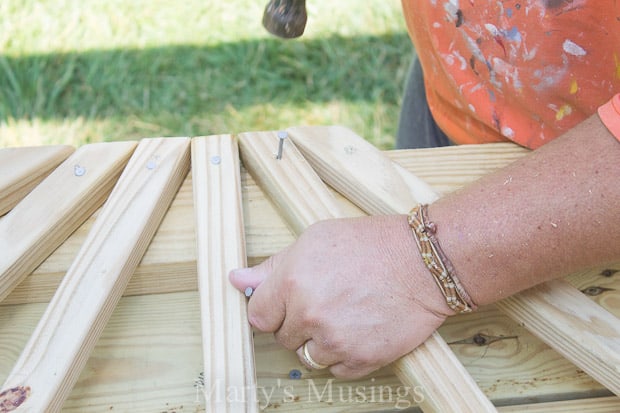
551,213
357,291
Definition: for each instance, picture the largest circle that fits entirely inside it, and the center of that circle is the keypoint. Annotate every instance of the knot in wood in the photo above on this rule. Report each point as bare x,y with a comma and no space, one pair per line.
479,339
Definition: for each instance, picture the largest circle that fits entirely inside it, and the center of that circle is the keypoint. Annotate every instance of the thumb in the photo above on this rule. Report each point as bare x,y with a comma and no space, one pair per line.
266,309
242,278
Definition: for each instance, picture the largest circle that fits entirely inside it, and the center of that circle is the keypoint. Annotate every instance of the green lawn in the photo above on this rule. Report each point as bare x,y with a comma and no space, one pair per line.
76,71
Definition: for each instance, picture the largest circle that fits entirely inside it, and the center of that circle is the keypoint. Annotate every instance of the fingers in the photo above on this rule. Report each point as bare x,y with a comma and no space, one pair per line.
243,278
291,334
343,371
303,353
272,292
266,309
357,363
312,357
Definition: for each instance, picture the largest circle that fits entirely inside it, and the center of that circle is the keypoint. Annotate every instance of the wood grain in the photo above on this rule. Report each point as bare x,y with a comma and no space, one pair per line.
68,330
338,155
578,328
172,248
152,344
541,309
432,368
21,169
594,405
290,183
228,349
56,207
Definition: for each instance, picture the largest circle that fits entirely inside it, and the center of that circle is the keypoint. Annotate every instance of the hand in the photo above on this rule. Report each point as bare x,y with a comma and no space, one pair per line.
355,289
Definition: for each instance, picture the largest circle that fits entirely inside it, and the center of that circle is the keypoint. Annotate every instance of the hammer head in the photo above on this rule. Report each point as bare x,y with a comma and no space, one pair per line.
285,18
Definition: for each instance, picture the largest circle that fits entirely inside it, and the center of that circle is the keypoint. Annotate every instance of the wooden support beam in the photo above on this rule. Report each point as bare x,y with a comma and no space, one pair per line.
295,189
21,169
515,371
432,367
56,207
573,325
172,249
593,405
228,348
68,330
339,155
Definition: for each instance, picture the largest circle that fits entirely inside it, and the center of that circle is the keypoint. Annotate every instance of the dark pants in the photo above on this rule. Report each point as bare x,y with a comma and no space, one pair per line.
416,127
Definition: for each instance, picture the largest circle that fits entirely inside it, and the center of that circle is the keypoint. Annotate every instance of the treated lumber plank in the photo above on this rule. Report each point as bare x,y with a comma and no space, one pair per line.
510,364
134,351
295,189
73,321
586,334
599,356
593,405
228,348
152,345
359,171
56,207
445,383
432,367
21,169
172,249
452,167
146,360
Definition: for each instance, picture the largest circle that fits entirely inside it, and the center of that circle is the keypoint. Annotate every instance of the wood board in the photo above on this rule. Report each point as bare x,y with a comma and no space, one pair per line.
55,208
21,169
511,370
228,349
59,347
296,189
582,331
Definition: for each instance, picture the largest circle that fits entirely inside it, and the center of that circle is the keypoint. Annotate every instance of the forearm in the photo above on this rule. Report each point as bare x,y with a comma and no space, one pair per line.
549,214
343,291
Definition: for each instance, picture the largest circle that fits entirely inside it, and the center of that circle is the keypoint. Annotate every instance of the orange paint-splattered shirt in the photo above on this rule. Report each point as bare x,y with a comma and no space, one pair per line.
524,70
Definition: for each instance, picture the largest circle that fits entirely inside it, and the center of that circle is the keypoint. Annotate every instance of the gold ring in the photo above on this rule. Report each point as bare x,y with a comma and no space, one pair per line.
310,361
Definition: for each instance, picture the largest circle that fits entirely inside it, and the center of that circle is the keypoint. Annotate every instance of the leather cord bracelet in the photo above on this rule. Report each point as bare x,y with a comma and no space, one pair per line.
436,261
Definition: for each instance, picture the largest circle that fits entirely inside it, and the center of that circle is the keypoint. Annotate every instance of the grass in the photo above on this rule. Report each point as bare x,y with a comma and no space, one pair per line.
78,71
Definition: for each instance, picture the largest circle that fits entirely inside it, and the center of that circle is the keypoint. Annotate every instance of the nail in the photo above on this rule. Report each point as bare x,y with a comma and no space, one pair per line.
79,170
281,136
249,291
216,160
294,374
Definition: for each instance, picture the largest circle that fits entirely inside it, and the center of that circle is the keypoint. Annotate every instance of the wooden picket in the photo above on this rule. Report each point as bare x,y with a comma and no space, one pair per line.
217,219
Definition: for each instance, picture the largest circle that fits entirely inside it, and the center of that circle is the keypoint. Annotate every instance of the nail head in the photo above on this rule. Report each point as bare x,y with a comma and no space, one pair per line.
294,374
216,160
79,170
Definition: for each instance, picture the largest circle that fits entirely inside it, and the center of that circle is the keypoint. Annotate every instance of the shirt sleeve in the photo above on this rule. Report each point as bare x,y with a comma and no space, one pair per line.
610,115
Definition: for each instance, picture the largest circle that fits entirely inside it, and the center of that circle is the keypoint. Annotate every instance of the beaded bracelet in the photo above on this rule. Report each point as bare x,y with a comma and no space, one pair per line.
438,264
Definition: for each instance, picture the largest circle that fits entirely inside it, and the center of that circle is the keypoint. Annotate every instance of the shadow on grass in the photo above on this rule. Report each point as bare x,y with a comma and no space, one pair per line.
188,80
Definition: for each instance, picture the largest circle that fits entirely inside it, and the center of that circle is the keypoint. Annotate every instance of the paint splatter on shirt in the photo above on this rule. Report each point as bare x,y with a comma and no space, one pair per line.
524,71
